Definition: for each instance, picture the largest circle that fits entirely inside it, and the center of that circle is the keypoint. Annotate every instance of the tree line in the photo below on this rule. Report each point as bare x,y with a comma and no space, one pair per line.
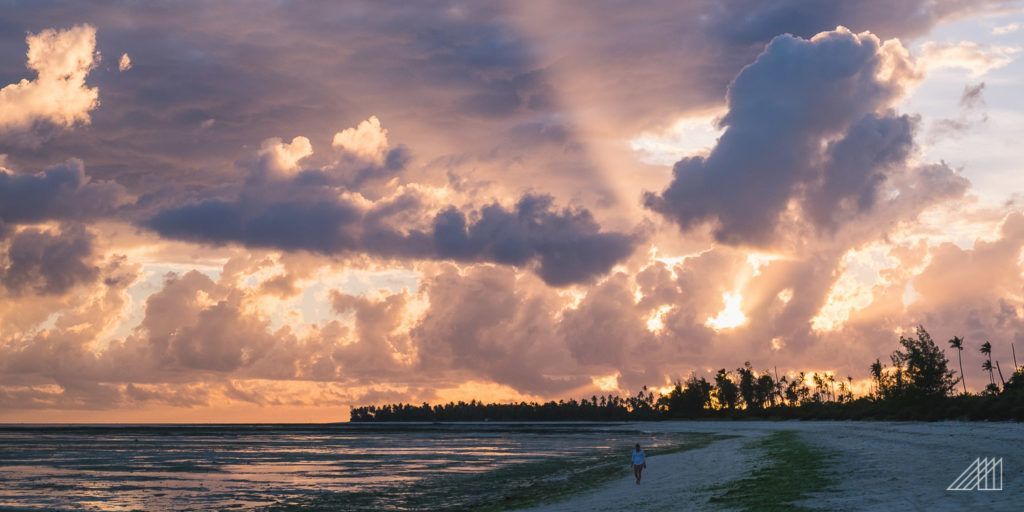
917,385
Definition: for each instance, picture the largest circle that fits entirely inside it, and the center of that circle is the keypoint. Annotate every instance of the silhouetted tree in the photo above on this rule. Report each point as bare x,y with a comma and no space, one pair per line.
726,390
958,343
925,367
765,390
986,350
748,386
797,392
689,400
876,375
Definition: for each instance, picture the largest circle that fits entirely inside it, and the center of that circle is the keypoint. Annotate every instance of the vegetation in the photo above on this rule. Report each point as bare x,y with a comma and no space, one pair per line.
794,471
919,385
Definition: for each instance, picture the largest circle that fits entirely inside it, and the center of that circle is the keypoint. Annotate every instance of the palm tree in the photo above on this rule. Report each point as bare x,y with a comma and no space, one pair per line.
958,343
986,350
876,372
821,394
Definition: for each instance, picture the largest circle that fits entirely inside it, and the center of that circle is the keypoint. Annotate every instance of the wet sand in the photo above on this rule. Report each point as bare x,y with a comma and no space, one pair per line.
875,465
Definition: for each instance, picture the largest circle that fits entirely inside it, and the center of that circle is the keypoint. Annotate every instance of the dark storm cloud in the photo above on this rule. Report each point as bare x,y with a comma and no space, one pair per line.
59,192
320,226
797,94
48,264
567,246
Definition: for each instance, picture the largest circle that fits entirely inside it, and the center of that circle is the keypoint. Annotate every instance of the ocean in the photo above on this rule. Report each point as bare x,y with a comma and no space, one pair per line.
476,466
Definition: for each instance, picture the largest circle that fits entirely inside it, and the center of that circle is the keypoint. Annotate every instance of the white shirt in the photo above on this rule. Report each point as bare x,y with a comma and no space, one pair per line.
638,458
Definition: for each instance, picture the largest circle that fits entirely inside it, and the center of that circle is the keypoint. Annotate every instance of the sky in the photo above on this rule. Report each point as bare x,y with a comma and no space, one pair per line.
271,211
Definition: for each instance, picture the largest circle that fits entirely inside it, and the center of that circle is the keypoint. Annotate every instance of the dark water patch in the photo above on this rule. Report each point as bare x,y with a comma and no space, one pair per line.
362,467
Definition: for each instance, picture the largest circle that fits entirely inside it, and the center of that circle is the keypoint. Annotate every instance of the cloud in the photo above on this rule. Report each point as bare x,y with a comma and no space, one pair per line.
197,324
857,165
125,63
308,211
47,263
489,324
61,191
568,245
795,97
1009,28
368,141
428,72
515,111
58,95
972,102
976,59
276,157
972,96
753,21
378,345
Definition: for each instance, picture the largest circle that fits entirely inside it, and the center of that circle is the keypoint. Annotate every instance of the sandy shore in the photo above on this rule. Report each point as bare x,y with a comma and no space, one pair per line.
876,466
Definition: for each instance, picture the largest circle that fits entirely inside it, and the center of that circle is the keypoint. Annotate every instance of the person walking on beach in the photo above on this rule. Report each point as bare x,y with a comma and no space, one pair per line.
639,463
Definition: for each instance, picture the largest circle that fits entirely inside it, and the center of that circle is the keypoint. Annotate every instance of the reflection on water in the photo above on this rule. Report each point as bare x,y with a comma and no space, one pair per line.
224,467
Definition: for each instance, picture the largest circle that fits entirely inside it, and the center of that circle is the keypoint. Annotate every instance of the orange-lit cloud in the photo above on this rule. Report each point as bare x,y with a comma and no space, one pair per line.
58,94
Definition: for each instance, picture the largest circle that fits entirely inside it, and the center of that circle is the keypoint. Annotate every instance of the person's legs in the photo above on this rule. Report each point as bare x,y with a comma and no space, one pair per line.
636,472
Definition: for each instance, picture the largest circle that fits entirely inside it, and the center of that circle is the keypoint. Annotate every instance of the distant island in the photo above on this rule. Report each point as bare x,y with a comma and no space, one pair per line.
918,385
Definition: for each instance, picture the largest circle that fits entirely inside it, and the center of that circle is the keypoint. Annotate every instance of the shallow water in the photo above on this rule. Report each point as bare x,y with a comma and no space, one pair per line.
356,467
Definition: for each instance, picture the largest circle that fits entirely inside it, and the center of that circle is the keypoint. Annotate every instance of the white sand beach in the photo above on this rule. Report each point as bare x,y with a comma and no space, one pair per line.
876,466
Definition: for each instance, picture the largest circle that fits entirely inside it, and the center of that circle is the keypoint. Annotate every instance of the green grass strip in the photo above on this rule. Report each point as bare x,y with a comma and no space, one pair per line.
794,470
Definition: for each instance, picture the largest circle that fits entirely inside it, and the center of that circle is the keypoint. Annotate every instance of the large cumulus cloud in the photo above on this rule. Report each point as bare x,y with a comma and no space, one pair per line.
796,96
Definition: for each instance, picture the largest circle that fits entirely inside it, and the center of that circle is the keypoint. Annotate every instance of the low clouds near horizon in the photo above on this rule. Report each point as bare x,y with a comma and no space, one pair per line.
440,202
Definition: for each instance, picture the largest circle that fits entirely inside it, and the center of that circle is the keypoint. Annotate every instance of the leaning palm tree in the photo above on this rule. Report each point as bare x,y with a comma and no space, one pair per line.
986,350
958,343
